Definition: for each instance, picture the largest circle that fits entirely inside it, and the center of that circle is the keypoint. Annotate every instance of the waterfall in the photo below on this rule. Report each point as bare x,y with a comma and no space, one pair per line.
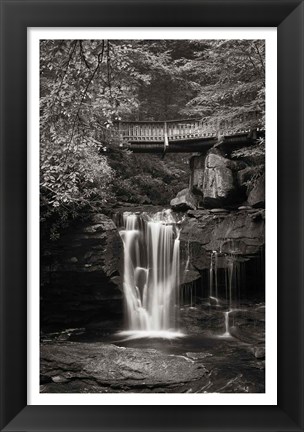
227,331
151,271
232,284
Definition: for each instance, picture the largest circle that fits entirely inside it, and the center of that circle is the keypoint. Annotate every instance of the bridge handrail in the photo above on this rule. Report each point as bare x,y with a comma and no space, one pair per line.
158,121
172,130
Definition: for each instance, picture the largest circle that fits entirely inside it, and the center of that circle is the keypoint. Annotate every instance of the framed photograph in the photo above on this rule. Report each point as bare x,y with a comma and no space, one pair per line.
157,271
151,229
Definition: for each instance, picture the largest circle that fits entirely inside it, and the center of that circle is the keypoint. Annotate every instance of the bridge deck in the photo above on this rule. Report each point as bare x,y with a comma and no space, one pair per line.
188,135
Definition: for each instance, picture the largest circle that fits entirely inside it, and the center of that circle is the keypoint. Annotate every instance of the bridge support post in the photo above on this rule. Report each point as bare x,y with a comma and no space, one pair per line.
120,131
166,140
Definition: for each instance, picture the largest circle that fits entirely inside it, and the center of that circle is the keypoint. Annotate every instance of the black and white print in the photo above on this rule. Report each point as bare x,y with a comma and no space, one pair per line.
152,216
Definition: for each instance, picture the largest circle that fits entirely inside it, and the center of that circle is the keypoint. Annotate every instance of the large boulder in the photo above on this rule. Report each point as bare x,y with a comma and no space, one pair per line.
219,186
245,175
197,170
80,276
215,179
184,200
256,196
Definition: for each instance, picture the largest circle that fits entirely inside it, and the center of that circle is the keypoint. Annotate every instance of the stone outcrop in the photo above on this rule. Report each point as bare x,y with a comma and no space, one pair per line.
218,181
80,275
184,200
256,196
197,170
219,186
245,175
240,233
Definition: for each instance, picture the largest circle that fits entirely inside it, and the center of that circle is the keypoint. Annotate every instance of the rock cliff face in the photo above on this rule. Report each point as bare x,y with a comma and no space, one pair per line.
240,232
80,276
236,233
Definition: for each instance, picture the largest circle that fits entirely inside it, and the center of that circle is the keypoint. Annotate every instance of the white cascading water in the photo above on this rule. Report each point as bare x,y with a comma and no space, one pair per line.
213,275
151,273
226,334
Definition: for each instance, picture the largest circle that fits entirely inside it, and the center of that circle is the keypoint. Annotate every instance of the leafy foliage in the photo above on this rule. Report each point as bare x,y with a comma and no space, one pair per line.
230,78
148,179
85,85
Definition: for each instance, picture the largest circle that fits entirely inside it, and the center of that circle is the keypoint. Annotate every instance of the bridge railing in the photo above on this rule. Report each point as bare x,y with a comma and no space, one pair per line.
182,130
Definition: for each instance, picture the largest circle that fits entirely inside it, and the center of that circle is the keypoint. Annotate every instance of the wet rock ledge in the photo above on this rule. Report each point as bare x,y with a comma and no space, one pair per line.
240,233
99,367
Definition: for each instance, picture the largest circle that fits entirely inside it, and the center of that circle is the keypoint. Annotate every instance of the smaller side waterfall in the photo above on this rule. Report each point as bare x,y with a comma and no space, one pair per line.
151,271
226,334
231,285
213,275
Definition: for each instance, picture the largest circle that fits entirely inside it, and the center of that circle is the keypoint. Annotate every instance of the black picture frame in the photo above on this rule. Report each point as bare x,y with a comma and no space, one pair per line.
16,16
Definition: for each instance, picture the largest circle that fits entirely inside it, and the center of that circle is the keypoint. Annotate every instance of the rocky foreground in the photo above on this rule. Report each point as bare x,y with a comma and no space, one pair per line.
100,367
74,362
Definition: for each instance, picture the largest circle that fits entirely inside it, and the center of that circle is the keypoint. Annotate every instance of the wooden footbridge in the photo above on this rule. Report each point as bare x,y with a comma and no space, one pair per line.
187,136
